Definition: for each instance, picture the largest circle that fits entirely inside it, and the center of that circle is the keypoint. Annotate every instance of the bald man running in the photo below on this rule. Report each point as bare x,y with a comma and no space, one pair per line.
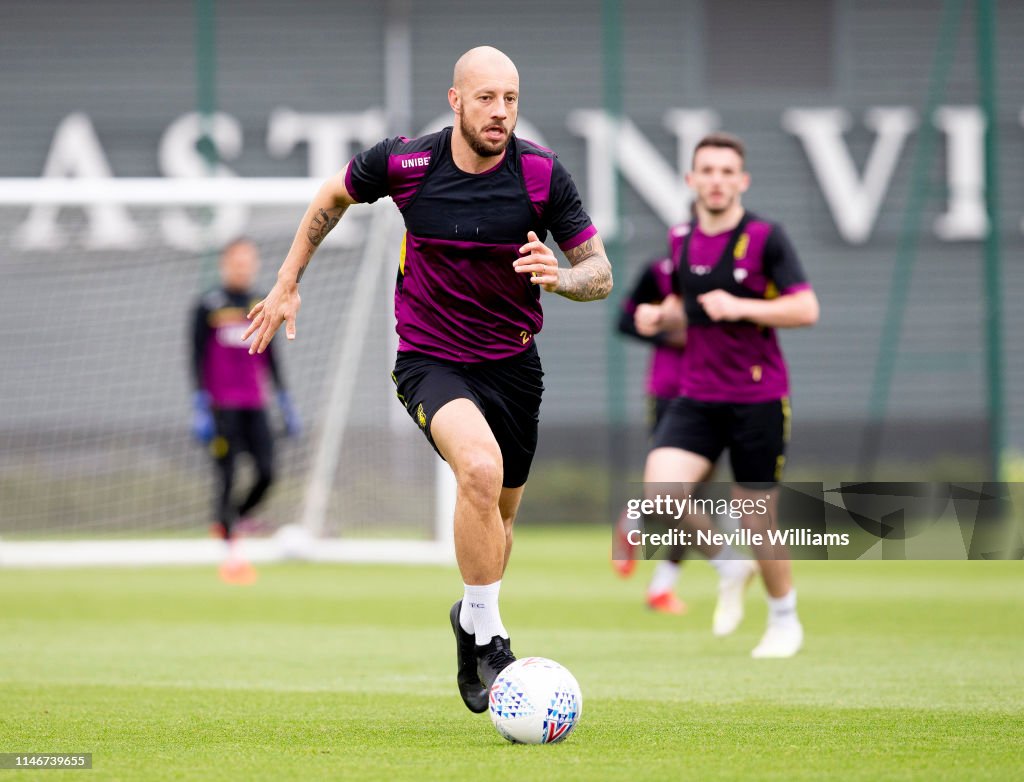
478,203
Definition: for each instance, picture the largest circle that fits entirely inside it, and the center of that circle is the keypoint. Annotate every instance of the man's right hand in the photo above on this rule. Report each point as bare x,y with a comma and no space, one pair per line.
647,319
281,306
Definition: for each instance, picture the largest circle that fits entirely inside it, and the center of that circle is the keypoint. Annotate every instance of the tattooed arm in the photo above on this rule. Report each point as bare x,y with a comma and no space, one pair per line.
282,303
329,204
320,224
590,276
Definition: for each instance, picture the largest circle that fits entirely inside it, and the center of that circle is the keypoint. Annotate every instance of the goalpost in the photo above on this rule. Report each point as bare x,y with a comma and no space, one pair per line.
96,462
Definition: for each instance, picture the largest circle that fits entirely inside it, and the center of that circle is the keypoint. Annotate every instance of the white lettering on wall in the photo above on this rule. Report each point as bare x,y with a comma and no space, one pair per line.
180,157
626,150
76,152
853,200
332,139
598,132
965,216
689,126
654,179
854,197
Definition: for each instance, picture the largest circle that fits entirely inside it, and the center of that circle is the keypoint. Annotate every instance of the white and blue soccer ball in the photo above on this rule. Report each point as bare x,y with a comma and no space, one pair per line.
535,701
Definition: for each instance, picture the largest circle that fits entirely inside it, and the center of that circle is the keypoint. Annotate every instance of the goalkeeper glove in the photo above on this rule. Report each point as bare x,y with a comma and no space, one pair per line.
203,427
292,421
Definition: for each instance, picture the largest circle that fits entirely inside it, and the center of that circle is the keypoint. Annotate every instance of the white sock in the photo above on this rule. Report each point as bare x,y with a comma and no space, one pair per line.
666,572
727,561
479,613
782,610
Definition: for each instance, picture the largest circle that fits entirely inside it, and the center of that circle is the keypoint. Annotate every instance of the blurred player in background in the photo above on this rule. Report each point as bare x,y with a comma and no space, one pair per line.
477,203
739,279
230,398
653,286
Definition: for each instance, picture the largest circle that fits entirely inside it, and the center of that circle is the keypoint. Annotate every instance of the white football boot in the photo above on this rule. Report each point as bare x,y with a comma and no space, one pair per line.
732,587
780,640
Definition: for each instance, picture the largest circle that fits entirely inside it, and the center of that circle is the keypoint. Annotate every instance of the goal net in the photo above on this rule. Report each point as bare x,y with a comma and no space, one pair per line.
97,464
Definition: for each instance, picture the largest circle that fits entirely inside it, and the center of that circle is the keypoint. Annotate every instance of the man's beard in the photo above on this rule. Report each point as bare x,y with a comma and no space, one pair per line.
716,210
478,145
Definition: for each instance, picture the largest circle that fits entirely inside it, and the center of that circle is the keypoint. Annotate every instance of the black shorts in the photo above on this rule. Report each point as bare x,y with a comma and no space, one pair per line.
656,407
755,434
506,391
242,430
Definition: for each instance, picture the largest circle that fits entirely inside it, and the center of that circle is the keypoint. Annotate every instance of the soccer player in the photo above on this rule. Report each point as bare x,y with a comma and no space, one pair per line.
739,279
653,286
478,203
230,397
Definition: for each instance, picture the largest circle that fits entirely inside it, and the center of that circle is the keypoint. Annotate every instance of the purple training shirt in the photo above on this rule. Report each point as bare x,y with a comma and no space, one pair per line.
735,362
458,296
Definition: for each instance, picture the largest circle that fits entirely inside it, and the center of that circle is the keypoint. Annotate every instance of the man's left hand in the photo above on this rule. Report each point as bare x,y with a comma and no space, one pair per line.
539,262
722,305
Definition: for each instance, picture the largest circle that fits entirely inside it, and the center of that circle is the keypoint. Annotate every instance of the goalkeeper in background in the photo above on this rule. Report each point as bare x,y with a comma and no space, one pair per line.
230,397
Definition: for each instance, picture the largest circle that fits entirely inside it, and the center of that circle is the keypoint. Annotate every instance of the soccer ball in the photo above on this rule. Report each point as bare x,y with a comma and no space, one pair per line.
535,701
294,542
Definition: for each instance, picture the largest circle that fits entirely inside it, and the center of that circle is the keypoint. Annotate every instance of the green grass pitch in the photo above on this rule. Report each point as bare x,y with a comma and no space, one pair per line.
911,670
